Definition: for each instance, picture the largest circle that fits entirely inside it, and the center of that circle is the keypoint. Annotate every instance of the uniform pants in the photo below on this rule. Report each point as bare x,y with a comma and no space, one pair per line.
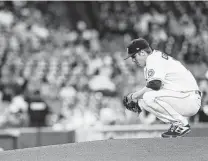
171,106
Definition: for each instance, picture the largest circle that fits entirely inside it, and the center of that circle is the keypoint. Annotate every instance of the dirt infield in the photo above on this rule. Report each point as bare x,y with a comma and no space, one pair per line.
180,149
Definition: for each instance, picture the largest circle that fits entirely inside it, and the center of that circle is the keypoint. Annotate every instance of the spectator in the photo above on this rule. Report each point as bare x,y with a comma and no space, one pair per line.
38,110
102,82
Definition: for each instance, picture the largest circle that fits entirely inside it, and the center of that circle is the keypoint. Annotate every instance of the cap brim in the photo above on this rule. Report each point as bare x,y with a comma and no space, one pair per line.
129,55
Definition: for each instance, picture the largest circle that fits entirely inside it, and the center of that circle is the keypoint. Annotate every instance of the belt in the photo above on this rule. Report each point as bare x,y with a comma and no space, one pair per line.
196,92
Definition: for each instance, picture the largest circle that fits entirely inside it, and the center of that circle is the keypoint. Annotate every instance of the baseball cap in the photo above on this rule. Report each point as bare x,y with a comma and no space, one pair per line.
135,46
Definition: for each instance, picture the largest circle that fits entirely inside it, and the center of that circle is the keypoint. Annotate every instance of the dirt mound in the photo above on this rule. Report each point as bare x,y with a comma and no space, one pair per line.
184,149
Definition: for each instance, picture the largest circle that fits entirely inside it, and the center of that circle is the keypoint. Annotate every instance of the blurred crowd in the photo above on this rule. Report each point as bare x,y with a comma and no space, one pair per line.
70,69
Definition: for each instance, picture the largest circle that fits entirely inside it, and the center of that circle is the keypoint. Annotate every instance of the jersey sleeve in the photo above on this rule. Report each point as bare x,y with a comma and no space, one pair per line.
155,68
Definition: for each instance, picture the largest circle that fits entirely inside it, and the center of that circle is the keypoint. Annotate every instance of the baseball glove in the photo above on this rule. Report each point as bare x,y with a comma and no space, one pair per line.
130,104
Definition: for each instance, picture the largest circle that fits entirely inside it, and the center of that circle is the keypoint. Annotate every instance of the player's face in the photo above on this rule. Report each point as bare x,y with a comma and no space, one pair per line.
140,58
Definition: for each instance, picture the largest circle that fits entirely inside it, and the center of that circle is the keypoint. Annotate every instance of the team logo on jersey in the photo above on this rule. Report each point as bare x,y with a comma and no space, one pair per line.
150,73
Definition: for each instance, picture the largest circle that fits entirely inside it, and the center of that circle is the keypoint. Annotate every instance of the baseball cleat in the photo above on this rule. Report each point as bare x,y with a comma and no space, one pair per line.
176,131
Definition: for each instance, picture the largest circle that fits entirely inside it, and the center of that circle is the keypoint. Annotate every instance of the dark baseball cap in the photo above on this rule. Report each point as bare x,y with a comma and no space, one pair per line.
135,46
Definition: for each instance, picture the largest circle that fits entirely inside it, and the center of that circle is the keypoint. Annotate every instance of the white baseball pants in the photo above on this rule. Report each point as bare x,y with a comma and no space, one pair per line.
171,106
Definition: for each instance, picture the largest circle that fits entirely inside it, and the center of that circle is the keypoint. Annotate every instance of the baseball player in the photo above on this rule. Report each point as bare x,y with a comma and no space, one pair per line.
171,92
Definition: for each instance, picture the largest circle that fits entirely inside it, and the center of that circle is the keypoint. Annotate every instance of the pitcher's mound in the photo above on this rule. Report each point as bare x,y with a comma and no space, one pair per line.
157,149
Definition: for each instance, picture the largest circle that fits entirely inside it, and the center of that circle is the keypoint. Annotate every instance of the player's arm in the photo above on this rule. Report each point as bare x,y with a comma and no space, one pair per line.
152,85
138,94
154,74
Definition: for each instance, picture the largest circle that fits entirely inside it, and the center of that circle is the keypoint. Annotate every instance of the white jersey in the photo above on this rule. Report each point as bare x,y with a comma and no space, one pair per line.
160,66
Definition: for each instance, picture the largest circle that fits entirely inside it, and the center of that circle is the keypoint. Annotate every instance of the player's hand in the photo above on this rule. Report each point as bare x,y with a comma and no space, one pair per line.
131,97
131,104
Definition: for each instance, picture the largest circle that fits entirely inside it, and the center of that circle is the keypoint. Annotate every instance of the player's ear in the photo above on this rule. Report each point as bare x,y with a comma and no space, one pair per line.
142,52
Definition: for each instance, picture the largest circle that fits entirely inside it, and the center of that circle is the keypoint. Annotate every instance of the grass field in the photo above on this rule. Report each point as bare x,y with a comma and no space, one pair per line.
176,149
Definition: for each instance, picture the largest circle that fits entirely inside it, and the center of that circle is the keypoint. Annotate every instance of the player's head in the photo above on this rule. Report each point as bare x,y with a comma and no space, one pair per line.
138,50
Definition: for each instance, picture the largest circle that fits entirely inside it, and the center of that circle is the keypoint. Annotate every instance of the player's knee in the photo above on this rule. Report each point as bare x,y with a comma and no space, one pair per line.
149,98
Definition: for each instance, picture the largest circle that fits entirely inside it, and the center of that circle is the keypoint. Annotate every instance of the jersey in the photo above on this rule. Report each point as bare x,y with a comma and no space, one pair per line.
174,76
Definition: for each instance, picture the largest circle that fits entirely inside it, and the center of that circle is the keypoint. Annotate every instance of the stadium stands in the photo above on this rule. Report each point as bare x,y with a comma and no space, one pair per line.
44,46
